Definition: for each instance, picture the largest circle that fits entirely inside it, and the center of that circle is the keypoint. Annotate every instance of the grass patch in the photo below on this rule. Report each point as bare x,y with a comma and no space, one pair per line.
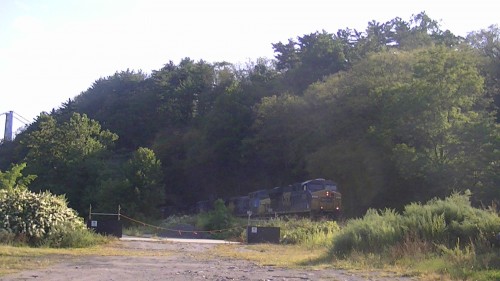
276,255
447,238
18,258
300,231
300,256
14,259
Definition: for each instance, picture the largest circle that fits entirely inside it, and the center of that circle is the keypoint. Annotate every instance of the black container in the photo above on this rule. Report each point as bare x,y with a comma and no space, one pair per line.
106,227
260,234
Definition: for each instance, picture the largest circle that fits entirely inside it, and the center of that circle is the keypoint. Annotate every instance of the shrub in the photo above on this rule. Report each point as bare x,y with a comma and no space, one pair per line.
447,222
67,236
304,231
7,237
219,222
372,233
451,221
36,216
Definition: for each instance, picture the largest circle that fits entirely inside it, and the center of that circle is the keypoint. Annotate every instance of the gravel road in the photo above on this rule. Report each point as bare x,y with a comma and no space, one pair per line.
187,261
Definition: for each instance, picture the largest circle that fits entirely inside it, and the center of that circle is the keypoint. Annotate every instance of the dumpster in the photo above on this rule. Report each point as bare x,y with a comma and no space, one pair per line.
260,234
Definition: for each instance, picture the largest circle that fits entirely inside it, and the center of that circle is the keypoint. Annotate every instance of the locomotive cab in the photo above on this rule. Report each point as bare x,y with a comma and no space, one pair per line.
325,198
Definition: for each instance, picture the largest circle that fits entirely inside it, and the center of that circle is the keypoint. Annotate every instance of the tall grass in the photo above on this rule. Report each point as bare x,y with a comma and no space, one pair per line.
370,234
446,236
448,222
304,231
63,237
67,237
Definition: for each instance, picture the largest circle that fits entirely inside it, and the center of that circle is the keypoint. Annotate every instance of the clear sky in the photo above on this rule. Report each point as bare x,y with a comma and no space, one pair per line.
52,50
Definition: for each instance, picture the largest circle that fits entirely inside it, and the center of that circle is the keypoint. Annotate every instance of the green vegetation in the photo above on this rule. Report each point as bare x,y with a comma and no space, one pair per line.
39,219
450,234
220,222
304,232
443,239
288,256
401,112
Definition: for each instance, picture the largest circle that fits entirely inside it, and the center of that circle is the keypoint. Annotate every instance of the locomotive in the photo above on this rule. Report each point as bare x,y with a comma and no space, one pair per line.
314,198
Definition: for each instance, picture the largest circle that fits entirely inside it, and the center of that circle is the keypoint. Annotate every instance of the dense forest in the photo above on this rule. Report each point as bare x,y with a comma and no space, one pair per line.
398,113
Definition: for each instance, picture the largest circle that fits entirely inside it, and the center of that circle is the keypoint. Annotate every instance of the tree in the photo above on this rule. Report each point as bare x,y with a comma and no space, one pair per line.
309,59
413,120
67,156
135,183
487,43
185,91
122,103
282,136
144,175
14,178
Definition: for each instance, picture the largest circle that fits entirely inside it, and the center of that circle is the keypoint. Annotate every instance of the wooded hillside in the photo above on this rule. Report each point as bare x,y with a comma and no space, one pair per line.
398,113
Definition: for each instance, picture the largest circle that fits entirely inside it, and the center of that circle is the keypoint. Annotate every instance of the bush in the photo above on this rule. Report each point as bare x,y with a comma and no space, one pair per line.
66,236
372,233
7,237
304,231
220,223
36,216
447,222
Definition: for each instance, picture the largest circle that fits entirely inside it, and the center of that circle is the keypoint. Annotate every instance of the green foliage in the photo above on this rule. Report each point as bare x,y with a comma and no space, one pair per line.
118,101
68,156
219,220
310,58
304,231
135,184
14,178
372,233
452,221
143,172
413,123
7,237
477,260
65,235
283,136
36,216
397,113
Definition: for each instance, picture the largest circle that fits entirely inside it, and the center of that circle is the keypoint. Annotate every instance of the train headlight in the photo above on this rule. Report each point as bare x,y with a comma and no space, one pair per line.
327,193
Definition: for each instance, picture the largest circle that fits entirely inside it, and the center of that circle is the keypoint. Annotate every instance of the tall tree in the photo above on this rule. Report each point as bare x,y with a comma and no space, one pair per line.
282,135
309,59
67,157
487,43
138,188
184,90
122,104
420,112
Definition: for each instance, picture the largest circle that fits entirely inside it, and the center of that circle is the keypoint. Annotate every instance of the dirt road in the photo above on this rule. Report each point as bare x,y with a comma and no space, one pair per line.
183,261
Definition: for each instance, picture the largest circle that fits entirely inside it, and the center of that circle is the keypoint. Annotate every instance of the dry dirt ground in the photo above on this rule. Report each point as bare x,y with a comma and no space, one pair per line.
187,261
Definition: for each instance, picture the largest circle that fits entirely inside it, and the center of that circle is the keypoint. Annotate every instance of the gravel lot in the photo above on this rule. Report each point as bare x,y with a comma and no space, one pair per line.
189,261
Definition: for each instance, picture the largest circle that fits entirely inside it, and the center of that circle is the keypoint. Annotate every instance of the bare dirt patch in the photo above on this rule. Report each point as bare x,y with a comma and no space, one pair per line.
160,260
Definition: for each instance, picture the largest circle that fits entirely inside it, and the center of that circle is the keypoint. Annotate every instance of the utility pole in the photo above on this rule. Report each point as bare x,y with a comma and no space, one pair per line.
9,116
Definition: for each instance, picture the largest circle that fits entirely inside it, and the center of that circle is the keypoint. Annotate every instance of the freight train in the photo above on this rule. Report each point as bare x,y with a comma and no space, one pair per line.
316,198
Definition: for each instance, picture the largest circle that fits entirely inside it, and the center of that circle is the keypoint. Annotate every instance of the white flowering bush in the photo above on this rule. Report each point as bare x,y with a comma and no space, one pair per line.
36,216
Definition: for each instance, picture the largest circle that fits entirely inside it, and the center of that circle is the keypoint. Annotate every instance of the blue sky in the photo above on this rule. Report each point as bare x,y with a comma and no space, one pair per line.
52,50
